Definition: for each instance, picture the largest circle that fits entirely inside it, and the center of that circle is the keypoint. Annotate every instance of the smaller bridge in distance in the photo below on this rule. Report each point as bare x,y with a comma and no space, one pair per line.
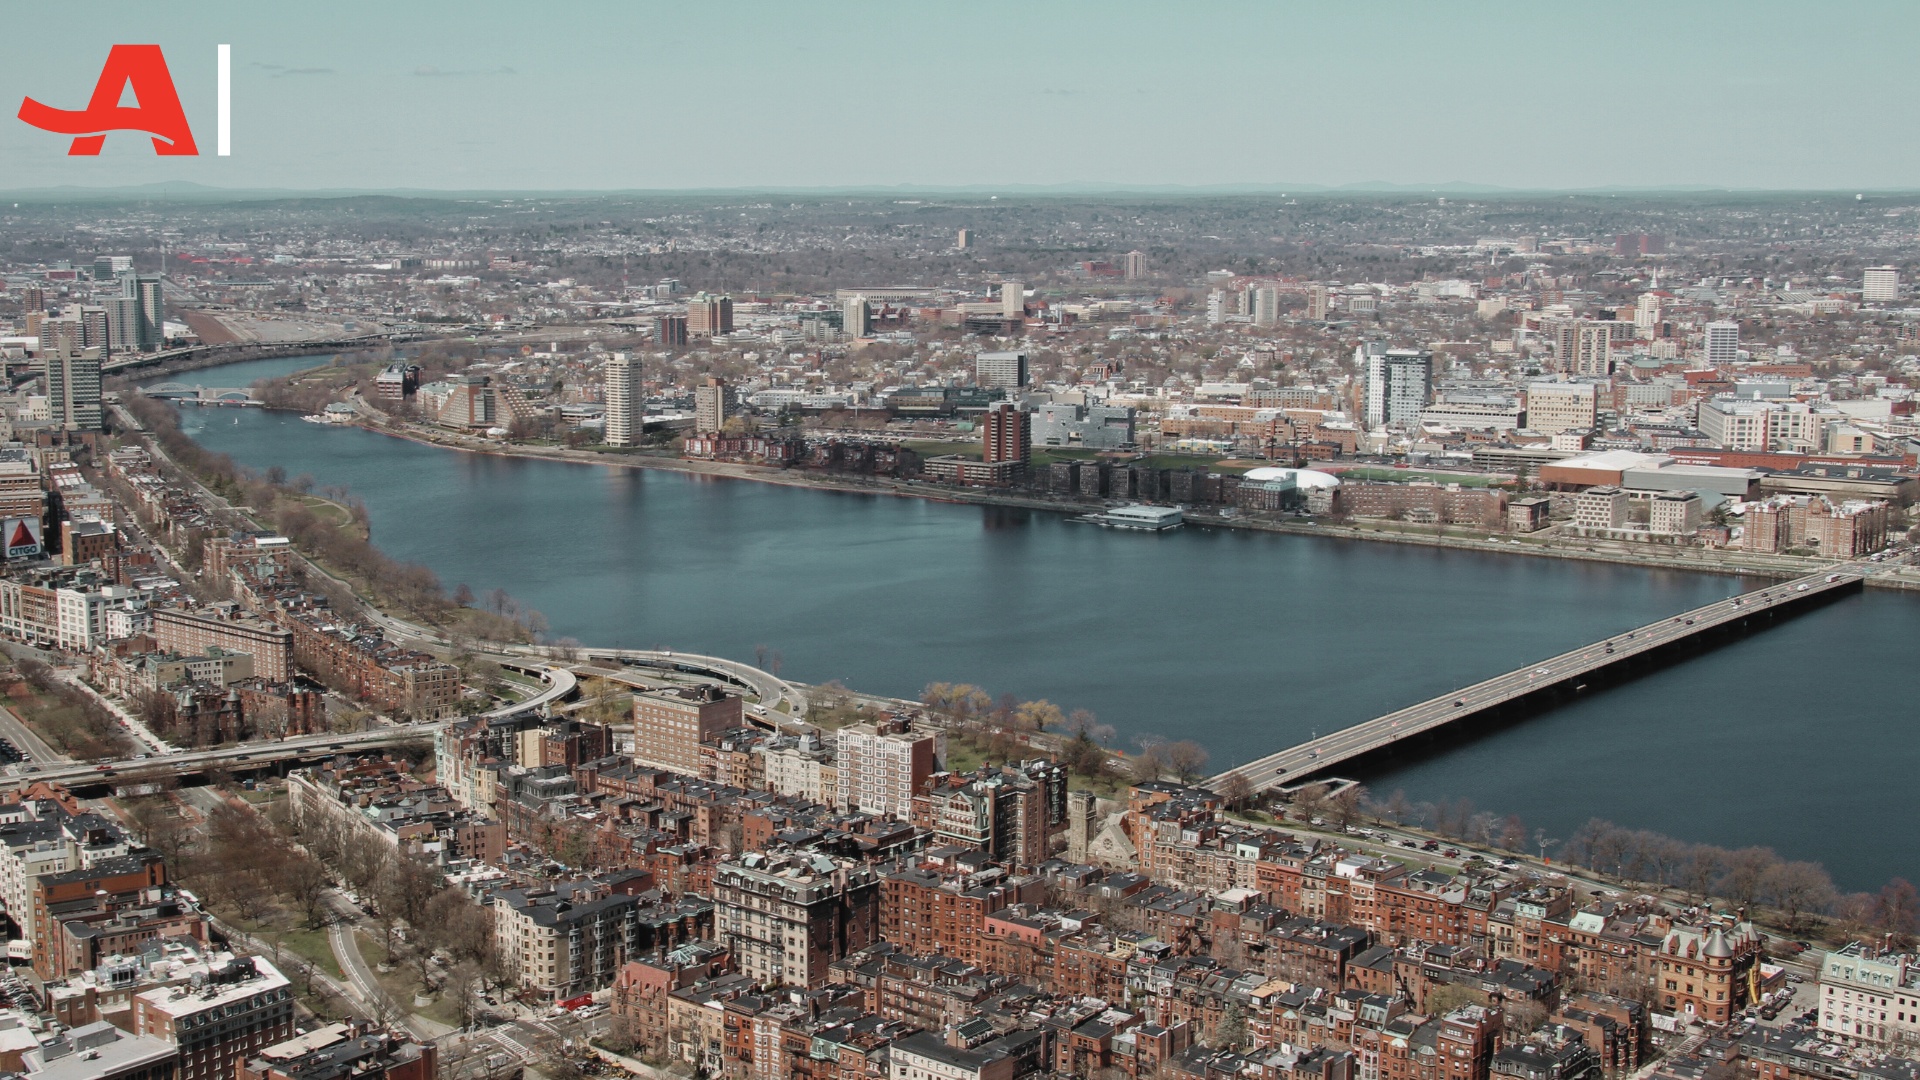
202,395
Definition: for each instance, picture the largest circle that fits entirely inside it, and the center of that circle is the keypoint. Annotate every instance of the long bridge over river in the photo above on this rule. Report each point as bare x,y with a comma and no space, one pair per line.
1553,678
202,395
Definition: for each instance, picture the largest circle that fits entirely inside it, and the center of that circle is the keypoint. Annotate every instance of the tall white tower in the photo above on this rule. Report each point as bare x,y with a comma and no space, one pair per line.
625,403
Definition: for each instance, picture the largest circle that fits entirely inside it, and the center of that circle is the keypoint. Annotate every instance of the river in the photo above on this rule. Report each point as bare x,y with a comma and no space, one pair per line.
1800,738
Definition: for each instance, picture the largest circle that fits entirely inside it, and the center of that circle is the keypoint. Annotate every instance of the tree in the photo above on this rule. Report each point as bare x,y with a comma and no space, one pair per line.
1345,806
1797,888
1187,758
1746,874
1897,909
1037,715
1703,865
1151,762
1513,833
1235,790
304,881
1309,801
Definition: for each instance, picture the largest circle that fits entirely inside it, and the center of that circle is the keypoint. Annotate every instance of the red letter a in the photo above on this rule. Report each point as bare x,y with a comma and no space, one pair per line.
158,112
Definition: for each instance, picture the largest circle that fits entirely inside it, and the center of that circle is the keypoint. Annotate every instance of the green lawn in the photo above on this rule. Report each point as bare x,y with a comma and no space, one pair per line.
311,944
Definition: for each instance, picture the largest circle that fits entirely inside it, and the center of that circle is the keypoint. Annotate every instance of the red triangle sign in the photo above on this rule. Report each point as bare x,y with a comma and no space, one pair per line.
21,537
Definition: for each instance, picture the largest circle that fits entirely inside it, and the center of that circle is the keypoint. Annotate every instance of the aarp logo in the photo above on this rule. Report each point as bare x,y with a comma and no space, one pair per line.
156,110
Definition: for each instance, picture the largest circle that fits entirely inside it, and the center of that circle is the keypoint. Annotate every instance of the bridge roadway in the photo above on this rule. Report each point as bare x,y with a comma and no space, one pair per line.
204,395
134,771
1553,673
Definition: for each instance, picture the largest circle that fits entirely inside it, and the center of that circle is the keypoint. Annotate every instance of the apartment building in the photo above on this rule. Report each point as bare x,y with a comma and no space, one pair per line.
1554,407
880,767
1870,997
195,633
216,1023
574,937
670,724
787,915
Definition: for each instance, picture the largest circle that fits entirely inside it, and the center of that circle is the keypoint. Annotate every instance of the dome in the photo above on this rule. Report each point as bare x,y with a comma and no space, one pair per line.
1302,478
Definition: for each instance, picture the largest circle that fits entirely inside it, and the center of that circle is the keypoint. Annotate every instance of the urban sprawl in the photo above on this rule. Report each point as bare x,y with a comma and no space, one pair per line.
281,807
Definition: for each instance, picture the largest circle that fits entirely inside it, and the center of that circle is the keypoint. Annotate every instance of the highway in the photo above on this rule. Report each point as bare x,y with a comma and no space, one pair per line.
155,767
1566,669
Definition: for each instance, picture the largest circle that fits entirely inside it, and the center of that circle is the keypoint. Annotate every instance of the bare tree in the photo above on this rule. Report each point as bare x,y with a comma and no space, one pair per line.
1746,874
1187,758
1798,888
1235,790
1344,807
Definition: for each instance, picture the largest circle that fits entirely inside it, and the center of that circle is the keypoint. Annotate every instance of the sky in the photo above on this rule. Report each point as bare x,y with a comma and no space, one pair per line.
419,94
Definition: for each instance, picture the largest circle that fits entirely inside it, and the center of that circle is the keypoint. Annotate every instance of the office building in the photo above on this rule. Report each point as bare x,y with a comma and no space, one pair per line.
397,381
1752,424
1554,407
963,240
1399,383
1000,370
1317,296
786,916
1603,507
1646,312
1722,343
1675,513
1134,265
108,267
856,317
625,401
1006,434
1013,299
708,315
229,1016
712,404
670,724
71,378
670,329
149,332
1880,284
882,766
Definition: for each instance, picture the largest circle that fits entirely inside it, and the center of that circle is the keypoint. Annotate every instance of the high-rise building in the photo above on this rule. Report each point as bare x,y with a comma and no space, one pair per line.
856,316
1000,370
1135,265
626,404
1399,383
1646,312
1266,306
1317,302
33,298
123,324
1880,284
71,378
108,267
1013,298
1593,348
145,291
1006,434
670,330
964,240
711,404
1722,343
708,315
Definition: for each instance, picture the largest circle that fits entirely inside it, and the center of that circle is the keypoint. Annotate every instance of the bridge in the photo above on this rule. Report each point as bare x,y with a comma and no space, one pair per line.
132,774
229,351
1553,678
202,395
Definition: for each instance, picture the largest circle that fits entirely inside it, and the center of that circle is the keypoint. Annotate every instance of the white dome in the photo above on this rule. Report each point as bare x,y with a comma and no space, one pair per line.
1302,478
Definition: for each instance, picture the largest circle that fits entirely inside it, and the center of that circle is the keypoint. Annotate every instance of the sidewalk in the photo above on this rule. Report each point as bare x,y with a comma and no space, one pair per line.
133,724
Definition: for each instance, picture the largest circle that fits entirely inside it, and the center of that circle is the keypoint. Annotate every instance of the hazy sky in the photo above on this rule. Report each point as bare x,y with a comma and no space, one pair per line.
478,94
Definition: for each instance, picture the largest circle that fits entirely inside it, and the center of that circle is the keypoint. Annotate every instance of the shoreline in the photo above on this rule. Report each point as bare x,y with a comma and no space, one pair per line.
1697,563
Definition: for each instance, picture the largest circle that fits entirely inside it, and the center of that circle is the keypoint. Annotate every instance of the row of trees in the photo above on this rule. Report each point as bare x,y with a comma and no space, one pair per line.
68,718
1001,726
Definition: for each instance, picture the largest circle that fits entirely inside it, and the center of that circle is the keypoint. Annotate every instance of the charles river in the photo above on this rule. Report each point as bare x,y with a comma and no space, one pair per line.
1802,738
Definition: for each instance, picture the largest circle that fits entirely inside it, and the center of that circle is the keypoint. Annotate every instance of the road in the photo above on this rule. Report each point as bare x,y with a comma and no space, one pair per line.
1317,755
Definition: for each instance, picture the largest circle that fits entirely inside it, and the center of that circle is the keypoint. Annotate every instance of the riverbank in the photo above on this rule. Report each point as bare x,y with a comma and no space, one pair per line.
1732,563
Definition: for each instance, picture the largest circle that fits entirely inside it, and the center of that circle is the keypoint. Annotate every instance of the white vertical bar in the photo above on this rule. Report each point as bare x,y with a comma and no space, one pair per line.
226,101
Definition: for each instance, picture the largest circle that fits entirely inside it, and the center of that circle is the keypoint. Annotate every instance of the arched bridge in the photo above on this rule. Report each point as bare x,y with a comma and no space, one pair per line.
201,395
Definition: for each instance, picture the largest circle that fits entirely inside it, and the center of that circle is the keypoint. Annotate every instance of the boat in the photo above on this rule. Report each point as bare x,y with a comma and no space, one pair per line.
1138,517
